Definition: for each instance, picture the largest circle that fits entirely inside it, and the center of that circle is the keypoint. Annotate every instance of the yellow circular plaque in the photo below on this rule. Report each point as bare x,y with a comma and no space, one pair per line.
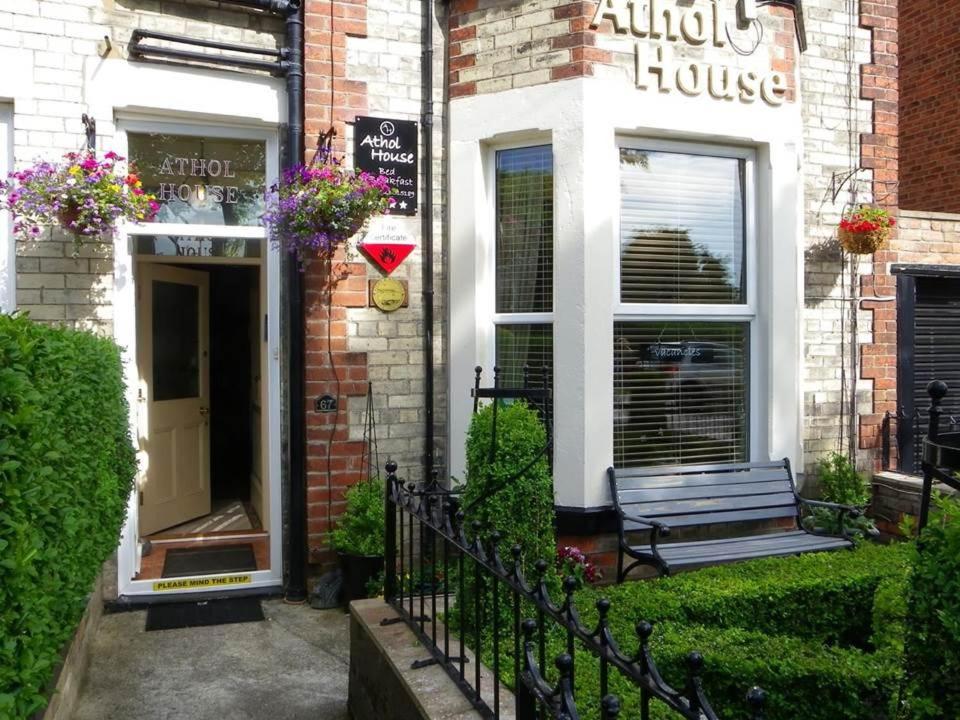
388,294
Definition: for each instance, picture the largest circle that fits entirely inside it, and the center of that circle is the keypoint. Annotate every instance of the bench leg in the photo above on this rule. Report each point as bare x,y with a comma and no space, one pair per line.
619,565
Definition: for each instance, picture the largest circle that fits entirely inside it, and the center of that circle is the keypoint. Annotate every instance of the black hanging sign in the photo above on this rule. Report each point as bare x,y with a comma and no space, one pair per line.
389,147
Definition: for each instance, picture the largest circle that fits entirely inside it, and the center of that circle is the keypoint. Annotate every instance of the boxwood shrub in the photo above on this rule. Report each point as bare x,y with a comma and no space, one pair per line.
66,470
933,637
787,624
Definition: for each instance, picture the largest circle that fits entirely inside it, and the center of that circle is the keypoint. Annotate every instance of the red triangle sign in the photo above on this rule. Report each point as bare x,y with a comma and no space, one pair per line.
388,255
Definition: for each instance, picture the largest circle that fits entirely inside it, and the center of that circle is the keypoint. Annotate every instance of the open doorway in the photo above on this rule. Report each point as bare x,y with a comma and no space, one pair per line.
203,499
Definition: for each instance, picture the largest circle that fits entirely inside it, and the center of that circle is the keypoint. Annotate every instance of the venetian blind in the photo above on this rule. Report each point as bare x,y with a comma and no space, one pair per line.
680,393
681,228
529,345
524,243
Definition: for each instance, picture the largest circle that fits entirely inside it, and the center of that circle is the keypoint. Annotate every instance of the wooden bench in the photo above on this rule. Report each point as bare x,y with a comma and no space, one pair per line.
653,500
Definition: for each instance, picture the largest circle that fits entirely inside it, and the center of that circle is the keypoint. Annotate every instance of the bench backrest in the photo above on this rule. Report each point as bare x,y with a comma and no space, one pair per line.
705,494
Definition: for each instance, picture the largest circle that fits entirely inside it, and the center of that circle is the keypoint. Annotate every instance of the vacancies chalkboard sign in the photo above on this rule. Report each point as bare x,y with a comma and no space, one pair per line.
389,147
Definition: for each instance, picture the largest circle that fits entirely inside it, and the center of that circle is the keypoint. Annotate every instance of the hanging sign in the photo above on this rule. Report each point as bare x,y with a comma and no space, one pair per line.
387,243
382,146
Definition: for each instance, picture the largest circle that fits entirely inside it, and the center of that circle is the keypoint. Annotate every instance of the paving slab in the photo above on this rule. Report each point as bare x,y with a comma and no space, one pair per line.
292,666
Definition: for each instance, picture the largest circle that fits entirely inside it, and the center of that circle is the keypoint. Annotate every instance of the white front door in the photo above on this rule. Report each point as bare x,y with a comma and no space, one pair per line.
174,369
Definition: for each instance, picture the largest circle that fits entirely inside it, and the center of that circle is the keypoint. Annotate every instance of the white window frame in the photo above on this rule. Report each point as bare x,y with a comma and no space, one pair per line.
125,331
488,317
746,313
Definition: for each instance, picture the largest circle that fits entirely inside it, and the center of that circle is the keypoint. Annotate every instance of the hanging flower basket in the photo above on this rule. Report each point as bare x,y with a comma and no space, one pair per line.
865,230
85,196
315,209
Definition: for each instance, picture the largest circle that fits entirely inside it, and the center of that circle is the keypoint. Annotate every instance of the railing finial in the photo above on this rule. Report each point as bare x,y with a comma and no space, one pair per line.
757,699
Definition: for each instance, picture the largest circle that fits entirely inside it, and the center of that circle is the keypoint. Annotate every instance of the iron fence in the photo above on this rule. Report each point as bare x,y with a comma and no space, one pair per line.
904,432
432,551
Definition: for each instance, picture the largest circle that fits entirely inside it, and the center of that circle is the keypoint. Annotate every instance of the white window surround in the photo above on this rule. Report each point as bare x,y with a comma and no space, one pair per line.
585,120
125,97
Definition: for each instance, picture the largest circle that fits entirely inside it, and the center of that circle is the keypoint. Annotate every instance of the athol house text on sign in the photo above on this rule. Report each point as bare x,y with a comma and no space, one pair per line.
383,146
668,22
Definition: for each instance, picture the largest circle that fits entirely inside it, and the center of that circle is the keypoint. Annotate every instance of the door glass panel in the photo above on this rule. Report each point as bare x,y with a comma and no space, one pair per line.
176,341
202,180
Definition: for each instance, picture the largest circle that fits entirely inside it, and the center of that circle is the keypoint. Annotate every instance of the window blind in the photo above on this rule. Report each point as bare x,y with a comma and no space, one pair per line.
524,242
682,234
680,392
520,345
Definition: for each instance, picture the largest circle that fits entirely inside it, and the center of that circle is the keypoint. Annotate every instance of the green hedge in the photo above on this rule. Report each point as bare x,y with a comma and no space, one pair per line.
66,470
933,637
824,596
789,625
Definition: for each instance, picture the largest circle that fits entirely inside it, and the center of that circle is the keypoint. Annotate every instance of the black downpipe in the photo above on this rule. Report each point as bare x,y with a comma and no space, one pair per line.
295,329
296,588
427,231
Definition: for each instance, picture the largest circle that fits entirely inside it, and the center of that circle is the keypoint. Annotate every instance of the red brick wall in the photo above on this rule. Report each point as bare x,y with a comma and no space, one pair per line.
333,460
930,106
879,152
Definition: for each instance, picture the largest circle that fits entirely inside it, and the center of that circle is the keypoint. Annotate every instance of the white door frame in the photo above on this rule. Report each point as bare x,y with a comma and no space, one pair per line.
8,253
125,333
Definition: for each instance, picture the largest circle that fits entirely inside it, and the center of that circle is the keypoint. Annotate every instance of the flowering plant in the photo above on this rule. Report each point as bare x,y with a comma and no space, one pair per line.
82,194
865,229
572,561
867,219
315,208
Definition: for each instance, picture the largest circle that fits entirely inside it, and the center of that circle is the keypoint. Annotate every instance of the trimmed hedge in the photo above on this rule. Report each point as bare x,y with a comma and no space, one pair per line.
789,625
933,637
66,470
823,596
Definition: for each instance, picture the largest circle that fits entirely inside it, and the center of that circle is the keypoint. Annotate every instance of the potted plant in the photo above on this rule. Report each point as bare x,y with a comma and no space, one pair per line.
315,208
865,230
359,537
85,196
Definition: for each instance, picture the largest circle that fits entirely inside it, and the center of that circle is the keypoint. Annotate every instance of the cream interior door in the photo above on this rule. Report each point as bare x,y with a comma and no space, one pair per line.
173,337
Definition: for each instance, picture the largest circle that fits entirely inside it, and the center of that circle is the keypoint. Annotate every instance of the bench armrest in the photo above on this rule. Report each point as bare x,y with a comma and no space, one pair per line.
662,528
850,510
843,512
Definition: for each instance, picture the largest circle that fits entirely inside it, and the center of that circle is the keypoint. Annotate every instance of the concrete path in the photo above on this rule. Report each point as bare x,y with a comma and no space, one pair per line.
291,667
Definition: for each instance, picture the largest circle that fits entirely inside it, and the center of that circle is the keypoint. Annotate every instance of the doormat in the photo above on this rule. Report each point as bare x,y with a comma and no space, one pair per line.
184,562
170,616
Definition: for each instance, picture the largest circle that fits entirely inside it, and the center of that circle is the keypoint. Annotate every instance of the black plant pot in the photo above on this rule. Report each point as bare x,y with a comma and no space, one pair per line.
358,571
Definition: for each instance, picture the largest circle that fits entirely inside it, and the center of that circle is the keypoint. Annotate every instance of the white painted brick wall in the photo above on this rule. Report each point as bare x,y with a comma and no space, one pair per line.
51,40
834,117
389,61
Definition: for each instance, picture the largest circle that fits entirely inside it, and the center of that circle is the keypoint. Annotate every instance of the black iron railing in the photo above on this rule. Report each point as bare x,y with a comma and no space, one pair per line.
432,551
904,431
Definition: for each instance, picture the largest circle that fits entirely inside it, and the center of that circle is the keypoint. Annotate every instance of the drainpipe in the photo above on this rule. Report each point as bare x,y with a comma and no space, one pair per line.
296,587
295,328
426,218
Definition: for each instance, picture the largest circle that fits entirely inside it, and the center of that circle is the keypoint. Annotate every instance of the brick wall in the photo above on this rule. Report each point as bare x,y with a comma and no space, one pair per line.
848,89
930,106
501,44
53,39
879,151
375,70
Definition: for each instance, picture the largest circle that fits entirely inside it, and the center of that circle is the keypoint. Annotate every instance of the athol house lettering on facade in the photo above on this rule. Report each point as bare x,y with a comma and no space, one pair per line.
661,25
